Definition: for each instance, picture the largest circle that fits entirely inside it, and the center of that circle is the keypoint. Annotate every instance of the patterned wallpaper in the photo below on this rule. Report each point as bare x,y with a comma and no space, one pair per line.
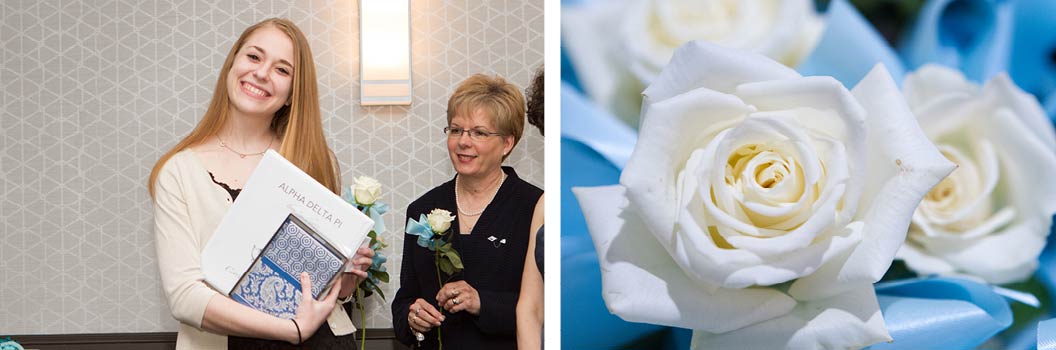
94,91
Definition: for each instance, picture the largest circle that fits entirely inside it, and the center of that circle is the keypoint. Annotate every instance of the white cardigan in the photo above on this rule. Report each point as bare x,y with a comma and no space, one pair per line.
188,207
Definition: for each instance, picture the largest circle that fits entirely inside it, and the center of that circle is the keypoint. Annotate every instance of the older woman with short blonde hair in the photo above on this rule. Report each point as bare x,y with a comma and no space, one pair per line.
495,211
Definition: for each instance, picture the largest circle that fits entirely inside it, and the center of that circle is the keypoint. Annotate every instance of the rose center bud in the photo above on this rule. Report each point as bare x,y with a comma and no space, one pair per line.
764,168
770,173
961,200
680,21
766,182
943,193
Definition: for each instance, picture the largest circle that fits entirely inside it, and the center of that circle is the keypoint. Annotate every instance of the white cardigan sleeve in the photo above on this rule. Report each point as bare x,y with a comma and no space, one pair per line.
179,249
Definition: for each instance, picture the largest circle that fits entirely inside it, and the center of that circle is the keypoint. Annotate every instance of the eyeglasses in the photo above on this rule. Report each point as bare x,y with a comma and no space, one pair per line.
474,134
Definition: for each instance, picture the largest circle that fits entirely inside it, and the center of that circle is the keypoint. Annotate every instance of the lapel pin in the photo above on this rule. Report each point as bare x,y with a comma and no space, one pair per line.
496,244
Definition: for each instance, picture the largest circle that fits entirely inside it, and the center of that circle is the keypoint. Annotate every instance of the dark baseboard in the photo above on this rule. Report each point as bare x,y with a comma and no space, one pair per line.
380,339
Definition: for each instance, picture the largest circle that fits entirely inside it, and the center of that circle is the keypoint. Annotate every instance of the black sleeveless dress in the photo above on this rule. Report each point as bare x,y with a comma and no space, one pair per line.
323,338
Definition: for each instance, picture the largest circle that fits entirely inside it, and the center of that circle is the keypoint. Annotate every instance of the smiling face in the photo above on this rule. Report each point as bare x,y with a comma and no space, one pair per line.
260,79
476,158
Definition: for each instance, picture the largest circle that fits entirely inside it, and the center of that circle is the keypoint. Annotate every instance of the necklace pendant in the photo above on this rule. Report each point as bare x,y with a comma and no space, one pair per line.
241,155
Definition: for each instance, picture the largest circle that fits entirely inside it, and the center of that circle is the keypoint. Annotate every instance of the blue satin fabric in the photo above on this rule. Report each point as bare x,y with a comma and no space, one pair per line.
849,48
1033,61
601,131
1047,335
973,36
940,313
585,321
986,37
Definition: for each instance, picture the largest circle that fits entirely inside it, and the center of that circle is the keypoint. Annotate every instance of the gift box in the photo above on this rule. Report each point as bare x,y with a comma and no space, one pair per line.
272,284
274,191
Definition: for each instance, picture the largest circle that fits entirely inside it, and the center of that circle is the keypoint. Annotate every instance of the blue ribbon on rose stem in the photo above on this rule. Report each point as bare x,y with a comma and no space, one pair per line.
424,232
373,210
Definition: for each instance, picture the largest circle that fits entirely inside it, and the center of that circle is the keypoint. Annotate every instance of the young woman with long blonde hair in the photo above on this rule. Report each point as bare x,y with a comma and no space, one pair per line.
266,97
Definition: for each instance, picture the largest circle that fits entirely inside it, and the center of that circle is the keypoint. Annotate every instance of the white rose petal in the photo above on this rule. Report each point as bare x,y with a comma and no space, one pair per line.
991,216
902,166
749,181
846,321
642,284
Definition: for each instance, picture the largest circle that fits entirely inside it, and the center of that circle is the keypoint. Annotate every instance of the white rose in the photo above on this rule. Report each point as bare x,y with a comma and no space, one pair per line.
366,190
618,47
991,216
440,220
759,206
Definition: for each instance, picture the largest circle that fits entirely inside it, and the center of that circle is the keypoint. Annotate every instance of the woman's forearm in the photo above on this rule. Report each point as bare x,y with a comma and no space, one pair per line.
529,324
530,301
226,316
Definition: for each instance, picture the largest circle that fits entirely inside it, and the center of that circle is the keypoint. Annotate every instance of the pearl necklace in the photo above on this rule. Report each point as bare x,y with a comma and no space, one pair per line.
458,203
240,154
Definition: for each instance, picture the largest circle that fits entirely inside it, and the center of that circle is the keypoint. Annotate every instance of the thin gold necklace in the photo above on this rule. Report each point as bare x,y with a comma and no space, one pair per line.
240,154
458,203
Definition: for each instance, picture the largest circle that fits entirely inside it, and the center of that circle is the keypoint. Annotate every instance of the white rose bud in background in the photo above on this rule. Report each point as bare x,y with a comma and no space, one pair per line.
759,206
366,190
990,217
618,47
440,220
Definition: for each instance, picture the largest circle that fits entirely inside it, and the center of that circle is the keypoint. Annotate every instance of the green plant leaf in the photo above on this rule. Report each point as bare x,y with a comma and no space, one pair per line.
382,276
447,267
456,260
380,293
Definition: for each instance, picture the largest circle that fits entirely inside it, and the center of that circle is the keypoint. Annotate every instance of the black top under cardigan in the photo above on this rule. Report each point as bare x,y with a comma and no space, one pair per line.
491,267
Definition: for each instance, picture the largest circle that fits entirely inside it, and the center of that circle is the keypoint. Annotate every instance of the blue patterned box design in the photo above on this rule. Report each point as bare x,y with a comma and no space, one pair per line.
272,283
